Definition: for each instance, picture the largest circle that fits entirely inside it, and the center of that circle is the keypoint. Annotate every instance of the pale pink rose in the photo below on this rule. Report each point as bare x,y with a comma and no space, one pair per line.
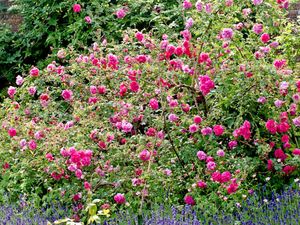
19,80
88,19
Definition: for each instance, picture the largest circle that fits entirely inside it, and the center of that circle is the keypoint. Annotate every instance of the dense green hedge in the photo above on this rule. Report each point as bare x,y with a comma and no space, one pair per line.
51,24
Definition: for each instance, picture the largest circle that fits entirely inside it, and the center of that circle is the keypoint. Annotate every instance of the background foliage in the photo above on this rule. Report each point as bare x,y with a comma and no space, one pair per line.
53,24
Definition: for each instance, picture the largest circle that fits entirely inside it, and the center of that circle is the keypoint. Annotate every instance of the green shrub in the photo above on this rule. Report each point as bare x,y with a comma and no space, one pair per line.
10,58
51,24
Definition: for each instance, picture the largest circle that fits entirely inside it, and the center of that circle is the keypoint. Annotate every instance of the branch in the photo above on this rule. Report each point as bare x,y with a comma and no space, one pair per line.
103,183
195,92
170,140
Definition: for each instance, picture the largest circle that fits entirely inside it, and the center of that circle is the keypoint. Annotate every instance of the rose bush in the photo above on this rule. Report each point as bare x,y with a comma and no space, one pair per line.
198,117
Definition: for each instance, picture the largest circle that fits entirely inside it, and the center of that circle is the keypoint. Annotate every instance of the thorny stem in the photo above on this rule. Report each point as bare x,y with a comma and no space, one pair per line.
195,81
149,166
195,92
148,172
169,136
173,146
246,143
103,183
293,131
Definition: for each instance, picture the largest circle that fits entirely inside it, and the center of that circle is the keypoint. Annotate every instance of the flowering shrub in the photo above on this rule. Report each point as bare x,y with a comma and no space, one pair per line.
198,117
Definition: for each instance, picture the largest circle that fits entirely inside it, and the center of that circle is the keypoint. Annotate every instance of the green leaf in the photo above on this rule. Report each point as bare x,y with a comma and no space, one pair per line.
52,21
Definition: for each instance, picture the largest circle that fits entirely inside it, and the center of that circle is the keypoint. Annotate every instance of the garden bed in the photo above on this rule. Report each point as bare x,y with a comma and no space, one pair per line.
280,208
200,115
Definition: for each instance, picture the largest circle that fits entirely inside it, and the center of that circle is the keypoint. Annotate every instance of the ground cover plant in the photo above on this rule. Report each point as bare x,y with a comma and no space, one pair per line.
13,214
280,208
199,117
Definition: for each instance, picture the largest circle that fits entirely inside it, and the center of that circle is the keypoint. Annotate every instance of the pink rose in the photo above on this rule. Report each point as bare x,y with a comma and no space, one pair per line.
296,121
220,153
145,155
161,135
76,8
279,64
197,119
101,89
172,117
227,33
225,177
201,155
11,91
246,12
206,131
168,172
279,154
32,90
134,86
34,72
271,126
257,28
211,165
153,103
296,152
257,2
187,4
151,132
19,80
78,174
262,100
232,188
274,44
139,36
218,130
126,126
61,54
12,132
121,13
201,184
49,157
229,3
88,19
199,6
288,169
77,196
189,200
87,186
189,23
119,198
193,128
32,145
208,8
265,37
23,144
93,90
206,84
67,95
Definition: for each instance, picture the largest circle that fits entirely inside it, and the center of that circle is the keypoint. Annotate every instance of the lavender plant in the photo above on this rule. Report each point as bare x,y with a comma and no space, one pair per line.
24,214
279,208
